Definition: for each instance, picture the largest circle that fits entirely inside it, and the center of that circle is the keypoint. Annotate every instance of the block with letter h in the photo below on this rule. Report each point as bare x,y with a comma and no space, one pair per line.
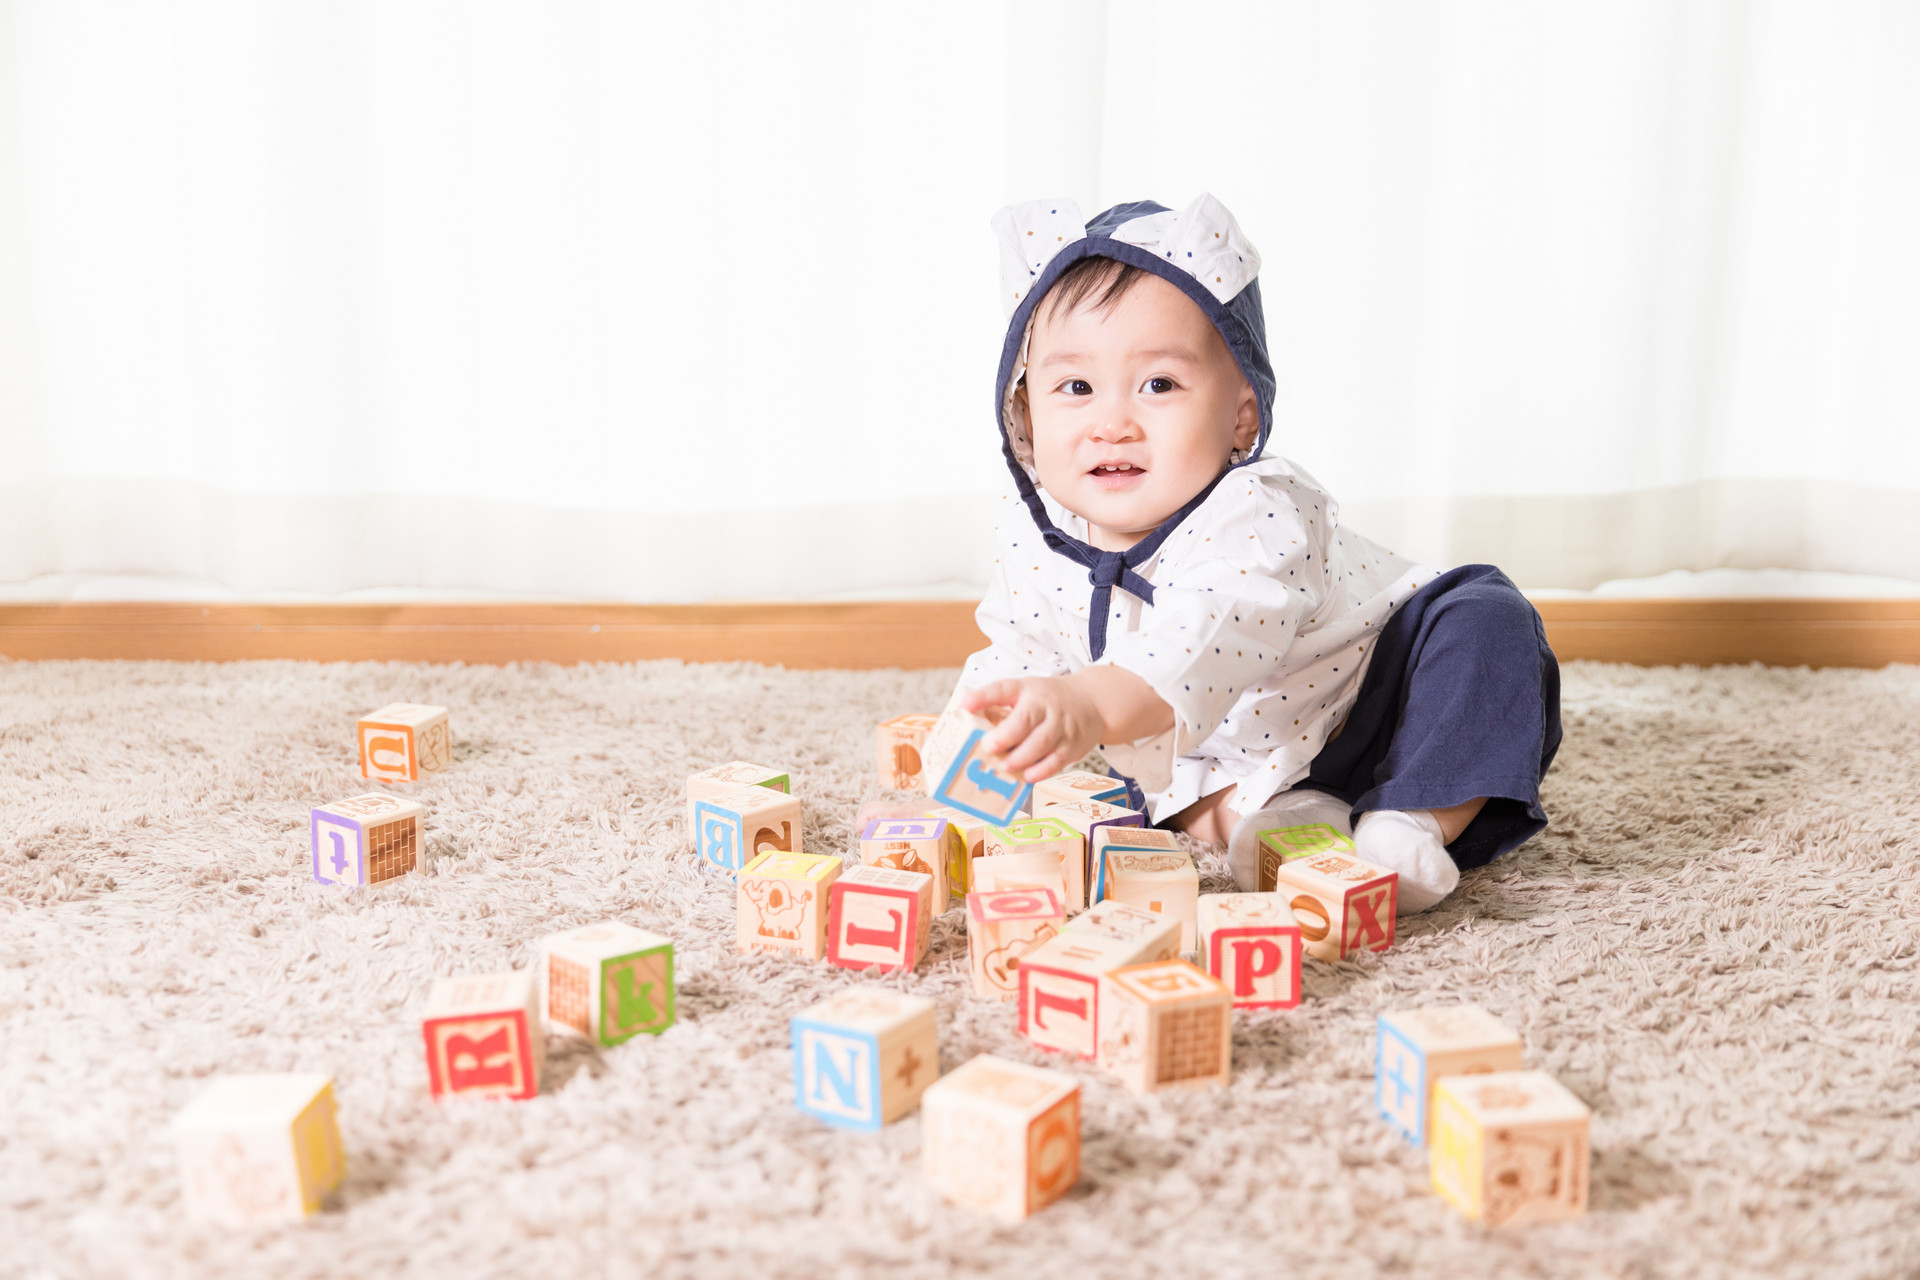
609,982
735,827
363,840
404,742
1251,942
1419,1046
1001,1137
484,1036
863,1058
929,846
1059,982
1165,1025
259,1148
879,917
1003,926
1344,905
900,740
781,903
1282,845
711,784
1079,785
976,783
1042,843
1510,1148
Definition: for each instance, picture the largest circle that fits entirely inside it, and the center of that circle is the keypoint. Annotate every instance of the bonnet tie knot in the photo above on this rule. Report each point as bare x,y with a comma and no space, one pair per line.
1108,570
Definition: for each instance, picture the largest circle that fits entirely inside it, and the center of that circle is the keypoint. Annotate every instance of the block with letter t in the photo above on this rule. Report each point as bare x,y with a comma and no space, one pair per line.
1059,982
404,742
977,783
484,1036
1418,1046
1251,942
929,846
609,982
862,1058
1001,1137
782,902
1344,905
363,840
735,827
1165,1025
879,917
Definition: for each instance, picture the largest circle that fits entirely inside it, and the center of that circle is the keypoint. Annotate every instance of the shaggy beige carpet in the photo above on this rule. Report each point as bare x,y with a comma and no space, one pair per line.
1714,945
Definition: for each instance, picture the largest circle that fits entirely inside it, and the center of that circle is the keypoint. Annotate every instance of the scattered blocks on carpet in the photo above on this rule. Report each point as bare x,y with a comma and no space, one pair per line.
609,982
1001,1137
782,902
404,742
366,839
1042,842
1058,982
737,826
1251,942
1417,1047
1343,904
1004,925
900,740
1165,1025
879,917
1510,1148
258,1149
484,1037
864,1057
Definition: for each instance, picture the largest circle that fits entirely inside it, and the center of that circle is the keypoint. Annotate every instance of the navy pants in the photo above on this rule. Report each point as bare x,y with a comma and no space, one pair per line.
1462,699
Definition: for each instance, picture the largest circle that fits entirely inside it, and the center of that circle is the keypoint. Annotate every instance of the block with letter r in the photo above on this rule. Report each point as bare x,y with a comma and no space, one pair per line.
863,1057
484,1037
974,784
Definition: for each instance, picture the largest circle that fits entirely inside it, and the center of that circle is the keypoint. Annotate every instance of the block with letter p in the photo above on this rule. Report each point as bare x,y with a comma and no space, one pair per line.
926,845
1419,1046
256,1149
1164,1025
609,982
404,742
1251,942
862,1058
735,827
1344,905
1001,1137
975,783
484,1037
363,840
879,917
1004,925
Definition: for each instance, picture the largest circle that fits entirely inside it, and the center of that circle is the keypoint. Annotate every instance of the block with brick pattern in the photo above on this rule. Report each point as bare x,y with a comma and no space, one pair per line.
1163,881
711,783
1004,925
1165,1025
1044,839
1251,942
899,741
1059,982
484,1036
781,903
879,917
738,826
1510,1148
1001,1137
608,982
258,1149
1344,905
863,1058
1417,1047
366,839
404,742
930,846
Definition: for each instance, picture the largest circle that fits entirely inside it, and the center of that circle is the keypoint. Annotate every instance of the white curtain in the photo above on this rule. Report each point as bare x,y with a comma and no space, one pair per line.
677,302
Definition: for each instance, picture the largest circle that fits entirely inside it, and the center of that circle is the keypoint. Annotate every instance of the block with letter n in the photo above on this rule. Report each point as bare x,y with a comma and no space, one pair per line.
1001,1137
1281,845
1004,925
404,742
929,846
976,783
609,982
781,903
721,779
484,1037
1165,1025
258,1149
1041,842
363,840
862,1058
1060,990
735,827
879,917
1343,905
1419,1046
1510,1148
1251,942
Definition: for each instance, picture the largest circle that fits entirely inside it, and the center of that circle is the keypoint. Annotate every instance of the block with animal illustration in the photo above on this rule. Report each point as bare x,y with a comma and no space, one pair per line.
1001,1137
1059,981
404,742
1162,881
977,783
1417,1047
1047,840
1344,905
879,917
900,740
1251,942
864,1057
973,838
484,1036
926,845
1510,1148
1078,785
1105,838
1282,845
1166,1024
781,902
738,826
708,784
608,982
366,839
1003,925
257,1149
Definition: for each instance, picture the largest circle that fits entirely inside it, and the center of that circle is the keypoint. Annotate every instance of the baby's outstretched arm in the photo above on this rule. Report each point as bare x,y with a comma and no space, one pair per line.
1052,721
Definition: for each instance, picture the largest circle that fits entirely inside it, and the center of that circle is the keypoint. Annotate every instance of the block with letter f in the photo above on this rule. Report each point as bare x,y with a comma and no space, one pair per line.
975,783
862,1058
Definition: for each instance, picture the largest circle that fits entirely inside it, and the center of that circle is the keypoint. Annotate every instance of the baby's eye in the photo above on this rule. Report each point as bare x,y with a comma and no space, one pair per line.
1158,386
1078,387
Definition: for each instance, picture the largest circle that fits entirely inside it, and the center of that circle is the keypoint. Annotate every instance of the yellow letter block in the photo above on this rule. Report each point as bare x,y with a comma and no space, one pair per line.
1510,1147
259,1148
782,902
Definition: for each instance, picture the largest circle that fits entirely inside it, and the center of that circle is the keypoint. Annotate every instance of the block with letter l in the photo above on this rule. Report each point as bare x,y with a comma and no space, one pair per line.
1059,982
609,982
862,1058
879,917
1001,1137
1418,1046
484,1037
1251,942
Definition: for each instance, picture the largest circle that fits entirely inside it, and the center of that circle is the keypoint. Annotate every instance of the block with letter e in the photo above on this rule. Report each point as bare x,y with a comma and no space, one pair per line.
879,917
930,846
258,1149
735,827
363,840
974,782
781,902
862,1058
404,742
1001,1137
1003,926
1343,905
1510,1148
1059,989
484,1037
609,982
1281,845
1251,942
1168,1024
710,784
1418,1046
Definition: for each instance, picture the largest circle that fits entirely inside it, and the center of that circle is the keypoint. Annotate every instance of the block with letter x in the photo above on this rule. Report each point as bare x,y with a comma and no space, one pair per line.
879,917
1344,905
363,840
1419,1046
1251,942
862,1058
609,982
484,1037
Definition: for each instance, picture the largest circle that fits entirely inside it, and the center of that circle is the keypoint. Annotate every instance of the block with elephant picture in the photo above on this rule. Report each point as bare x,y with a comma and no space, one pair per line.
782,902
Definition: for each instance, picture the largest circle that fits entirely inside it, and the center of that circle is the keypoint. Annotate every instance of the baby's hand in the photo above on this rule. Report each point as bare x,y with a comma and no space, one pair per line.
1051,722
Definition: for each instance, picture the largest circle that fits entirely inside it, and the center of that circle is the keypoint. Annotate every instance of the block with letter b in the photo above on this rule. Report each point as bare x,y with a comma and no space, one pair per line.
1343,905
609,982
735,827
782,902
926,845
1282,845
1079,785
363,840
863,1058
1004,925
1510,1148
1001,1137
259,1148
1059,982
900,740
879,917
1165,1025
710,784
404,742
1419,1046
484,1036
975,782
1042,842
1251,942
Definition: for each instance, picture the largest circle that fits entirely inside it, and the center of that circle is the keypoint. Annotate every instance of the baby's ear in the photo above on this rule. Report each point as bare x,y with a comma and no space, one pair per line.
1246,422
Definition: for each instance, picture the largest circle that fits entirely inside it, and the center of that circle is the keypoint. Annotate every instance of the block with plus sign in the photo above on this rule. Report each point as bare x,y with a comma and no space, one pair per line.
484,1036
258,1149
1003,926
972,780
709,784
363,840
1078,785
1059,981
1419,1046
879,917
1165,1025
735,827
900,740
1162,881
1510,1148
404,742
1105,839
930,846
608,982
1040,843
1001,1137
781,903
1344,905
1251,942
863,1058
1281,845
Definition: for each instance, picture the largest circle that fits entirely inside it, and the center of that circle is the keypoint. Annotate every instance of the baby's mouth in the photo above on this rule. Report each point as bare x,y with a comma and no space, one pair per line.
1117,475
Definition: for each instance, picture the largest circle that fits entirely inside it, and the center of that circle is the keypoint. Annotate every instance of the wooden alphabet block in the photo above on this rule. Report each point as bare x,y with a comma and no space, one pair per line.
1165,1025
1510,1147
900,740
1001,1137
404,742
879,917
782,902
609,982
1059,982
1283,844
1419,1046
1041,870
484,1036
1064,787
363,840
926,845
973,837
1004,925
259,1148
974,782
888,809
1251,942
1343,904
863,1058
1044,841
1162,881
1104,838
718,781
739,825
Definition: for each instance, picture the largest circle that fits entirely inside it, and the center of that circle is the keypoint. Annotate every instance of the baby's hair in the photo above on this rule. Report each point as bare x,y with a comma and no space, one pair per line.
1108,278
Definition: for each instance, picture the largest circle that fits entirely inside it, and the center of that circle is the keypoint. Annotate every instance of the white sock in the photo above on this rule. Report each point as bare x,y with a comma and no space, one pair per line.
1411,843
1296,808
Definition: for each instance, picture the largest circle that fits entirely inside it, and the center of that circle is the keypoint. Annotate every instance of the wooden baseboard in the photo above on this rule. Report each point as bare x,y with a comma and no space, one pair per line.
922,633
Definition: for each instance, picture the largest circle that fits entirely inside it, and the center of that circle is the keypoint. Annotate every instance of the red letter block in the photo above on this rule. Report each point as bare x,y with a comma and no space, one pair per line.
484,1036
1060,990
879,917
1251,942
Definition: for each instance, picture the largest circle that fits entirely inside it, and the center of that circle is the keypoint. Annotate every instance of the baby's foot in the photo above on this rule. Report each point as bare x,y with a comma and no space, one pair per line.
1296,808
1411,843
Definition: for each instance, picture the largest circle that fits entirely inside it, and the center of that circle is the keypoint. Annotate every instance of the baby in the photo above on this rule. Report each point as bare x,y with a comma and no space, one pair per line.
1169,592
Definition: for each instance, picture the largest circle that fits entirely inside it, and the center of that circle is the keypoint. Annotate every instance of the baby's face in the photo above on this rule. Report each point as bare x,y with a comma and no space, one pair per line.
1133,411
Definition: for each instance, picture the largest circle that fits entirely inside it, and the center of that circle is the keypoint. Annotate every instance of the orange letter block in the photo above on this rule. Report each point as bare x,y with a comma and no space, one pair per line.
1343,904
404,742
1251,942
1001,1137
484,1036
1002,926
